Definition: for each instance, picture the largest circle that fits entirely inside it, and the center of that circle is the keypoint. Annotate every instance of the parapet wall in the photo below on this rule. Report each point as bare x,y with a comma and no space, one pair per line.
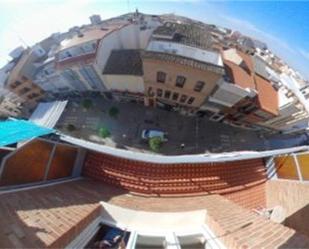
37,161
293,196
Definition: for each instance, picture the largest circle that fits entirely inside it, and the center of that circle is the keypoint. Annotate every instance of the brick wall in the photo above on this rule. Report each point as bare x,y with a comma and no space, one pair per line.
293,196
240,181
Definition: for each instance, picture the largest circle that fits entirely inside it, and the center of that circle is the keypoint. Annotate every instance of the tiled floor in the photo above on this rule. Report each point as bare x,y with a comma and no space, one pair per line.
52,216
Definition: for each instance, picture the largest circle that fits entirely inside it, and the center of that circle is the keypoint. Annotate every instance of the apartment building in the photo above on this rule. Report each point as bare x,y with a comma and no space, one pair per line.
123,75
20,77
76,57
81,59
180,71
53,82
246,97
10,103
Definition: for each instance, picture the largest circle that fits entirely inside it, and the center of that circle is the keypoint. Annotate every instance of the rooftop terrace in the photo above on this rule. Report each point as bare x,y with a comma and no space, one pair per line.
189,34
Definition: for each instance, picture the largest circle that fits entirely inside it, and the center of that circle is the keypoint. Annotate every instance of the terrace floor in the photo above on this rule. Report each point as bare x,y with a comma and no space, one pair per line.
52,216
199,135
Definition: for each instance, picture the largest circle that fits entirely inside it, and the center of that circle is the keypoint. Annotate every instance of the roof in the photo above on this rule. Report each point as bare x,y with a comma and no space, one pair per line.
124,62
182,61
267,95
242,74
90,35
192,34
47,114
186,51
13,131
260,67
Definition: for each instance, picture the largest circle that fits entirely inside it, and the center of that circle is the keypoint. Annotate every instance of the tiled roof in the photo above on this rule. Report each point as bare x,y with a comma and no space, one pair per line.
267,95
241,74
189,34
124,62
182,61
182,179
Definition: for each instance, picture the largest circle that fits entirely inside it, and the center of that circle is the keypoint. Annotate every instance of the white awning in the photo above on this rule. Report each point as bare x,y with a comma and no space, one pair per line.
48,114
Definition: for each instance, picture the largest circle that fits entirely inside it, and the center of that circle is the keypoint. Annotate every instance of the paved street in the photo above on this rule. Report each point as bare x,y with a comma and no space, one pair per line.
199,135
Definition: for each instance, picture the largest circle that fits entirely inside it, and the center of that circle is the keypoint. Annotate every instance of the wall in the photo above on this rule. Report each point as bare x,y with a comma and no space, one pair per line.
240,181
287,166
151,67
37,161
293,196
129,83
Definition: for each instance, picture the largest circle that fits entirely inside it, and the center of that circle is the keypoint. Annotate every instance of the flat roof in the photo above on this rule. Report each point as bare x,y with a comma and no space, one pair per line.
191,34
124,62
182,61
186,51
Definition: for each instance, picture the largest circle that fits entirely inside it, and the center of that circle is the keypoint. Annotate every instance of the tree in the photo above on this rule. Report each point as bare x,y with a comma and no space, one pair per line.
71,127
87,103
113,112
155,143
104,132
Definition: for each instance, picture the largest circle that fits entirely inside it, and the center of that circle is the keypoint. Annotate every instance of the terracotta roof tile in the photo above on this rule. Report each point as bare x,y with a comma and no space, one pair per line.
267,95
242,74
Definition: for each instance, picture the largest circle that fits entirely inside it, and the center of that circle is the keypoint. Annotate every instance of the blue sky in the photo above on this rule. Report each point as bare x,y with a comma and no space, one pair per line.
283,25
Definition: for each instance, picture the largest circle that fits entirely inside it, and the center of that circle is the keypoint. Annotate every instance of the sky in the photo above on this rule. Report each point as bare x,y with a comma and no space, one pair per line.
283,25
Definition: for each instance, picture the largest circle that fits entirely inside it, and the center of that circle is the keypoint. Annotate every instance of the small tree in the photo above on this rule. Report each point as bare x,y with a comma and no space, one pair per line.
104,132
71,127
155,143
87,103
113,112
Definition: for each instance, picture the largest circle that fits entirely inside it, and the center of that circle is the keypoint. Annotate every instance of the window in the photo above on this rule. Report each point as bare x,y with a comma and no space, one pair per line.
167,94
159,92
199,86
180,81
191,100
175,96
183,98
161,76
90,75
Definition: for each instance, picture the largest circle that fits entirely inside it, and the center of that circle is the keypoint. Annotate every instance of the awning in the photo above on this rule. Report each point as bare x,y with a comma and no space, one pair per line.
13,131
48,114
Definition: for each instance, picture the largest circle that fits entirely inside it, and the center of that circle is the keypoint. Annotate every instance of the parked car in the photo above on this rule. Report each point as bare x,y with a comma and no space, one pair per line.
147,134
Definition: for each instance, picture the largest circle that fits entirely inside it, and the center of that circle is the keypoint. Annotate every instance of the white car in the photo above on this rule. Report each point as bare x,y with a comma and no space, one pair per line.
146,134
